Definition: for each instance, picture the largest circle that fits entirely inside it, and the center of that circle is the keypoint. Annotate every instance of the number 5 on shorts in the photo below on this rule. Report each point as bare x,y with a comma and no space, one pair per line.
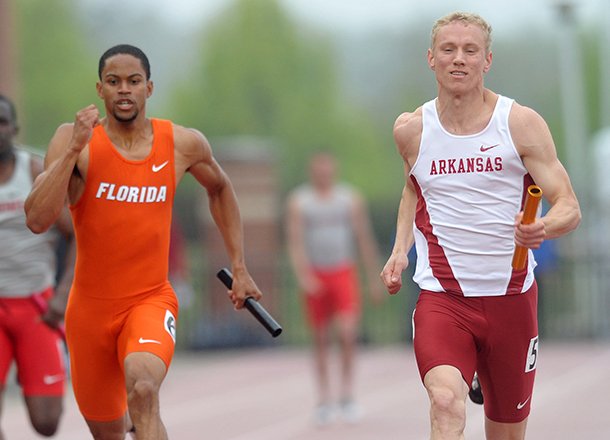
532,355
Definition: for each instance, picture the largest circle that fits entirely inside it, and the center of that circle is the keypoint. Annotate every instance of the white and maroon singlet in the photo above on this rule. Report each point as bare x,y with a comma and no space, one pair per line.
469,189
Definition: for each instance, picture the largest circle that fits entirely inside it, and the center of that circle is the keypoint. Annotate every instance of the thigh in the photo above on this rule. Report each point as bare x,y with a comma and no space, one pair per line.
443,334
97,375
318,307
39,356
344,291
6,344
38,351
507,365
150,326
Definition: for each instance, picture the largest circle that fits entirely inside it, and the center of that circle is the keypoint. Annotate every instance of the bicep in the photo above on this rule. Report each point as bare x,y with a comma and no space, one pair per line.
36,166
535,144
58,144
209,174
551,176
407,136
64,223
194,155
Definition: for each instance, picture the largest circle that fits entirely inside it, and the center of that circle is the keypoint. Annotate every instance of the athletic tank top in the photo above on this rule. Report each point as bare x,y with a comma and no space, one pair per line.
122,220
327,224
27,260
469,189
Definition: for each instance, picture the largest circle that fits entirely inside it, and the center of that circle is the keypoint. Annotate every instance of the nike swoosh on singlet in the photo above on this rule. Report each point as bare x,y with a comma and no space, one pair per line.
50,379
520,405
484,148
148,341
157,168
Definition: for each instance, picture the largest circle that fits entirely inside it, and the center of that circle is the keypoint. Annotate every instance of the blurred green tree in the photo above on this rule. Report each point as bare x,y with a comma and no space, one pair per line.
260,76
57,73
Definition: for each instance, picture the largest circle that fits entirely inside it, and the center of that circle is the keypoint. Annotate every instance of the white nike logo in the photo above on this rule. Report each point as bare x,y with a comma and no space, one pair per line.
157,168
148,341
520,405
50,379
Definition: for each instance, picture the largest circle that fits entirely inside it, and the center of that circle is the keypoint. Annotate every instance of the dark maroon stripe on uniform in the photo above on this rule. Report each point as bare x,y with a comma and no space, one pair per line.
517,277
436,254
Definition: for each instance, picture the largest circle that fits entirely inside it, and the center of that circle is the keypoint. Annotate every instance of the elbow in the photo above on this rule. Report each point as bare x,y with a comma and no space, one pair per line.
36,223
577,218
36,227
574,221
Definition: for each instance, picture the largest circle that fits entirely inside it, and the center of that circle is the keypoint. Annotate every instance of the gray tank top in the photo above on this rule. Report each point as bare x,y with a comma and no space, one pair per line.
328,229
27,260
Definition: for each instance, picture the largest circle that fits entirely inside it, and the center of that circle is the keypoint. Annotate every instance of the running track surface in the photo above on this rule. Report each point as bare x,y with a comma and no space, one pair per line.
268,395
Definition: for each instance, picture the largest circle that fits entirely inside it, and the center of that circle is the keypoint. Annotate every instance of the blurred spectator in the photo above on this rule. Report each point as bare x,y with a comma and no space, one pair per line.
325,222
30,312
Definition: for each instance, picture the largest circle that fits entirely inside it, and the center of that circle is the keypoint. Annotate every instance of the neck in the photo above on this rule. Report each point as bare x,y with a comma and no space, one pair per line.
8,155
323,191
126,135
463,113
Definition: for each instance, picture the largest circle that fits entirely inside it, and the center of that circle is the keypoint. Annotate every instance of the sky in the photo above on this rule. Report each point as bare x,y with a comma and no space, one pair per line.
359,27
351,15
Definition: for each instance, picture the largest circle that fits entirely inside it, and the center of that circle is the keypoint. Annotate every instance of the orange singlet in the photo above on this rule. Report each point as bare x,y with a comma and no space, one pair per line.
121,300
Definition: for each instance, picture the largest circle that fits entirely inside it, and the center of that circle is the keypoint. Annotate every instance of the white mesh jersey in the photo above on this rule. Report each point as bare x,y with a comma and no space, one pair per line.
469,189
27,260
327,225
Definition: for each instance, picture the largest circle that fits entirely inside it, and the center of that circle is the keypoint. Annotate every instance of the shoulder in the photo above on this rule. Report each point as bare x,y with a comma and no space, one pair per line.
409,121
523,118
60,139
347,190
64,130
191,143
407,133
527,127
352,195
297,194
189,137
408,125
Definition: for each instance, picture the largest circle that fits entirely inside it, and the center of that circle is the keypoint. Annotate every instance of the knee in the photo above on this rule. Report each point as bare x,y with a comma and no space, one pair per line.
45,419
143,391
447,409
46,426
112,430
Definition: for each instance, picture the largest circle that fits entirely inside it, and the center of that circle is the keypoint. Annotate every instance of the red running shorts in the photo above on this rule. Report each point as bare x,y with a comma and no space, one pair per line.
495,336
339,294
36,348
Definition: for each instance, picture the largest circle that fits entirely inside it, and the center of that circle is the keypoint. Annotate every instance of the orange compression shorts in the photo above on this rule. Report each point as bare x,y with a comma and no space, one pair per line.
101,333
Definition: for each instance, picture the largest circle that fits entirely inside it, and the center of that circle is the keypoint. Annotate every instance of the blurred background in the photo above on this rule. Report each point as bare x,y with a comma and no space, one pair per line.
271,81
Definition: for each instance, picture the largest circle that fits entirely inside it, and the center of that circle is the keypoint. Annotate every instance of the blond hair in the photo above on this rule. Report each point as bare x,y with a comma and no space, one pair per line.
466,18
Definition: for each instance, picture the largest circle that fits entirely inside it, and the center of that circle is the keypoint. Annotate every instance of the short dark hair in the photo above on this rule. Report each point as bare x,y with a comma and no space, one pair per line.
11,106
124,49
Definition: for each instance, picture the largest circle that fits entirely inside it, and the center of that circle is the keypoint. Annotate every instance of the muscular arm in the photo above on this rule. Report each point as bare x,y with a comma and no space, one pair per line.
57,304
50,190
407,135
535,145
194,154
